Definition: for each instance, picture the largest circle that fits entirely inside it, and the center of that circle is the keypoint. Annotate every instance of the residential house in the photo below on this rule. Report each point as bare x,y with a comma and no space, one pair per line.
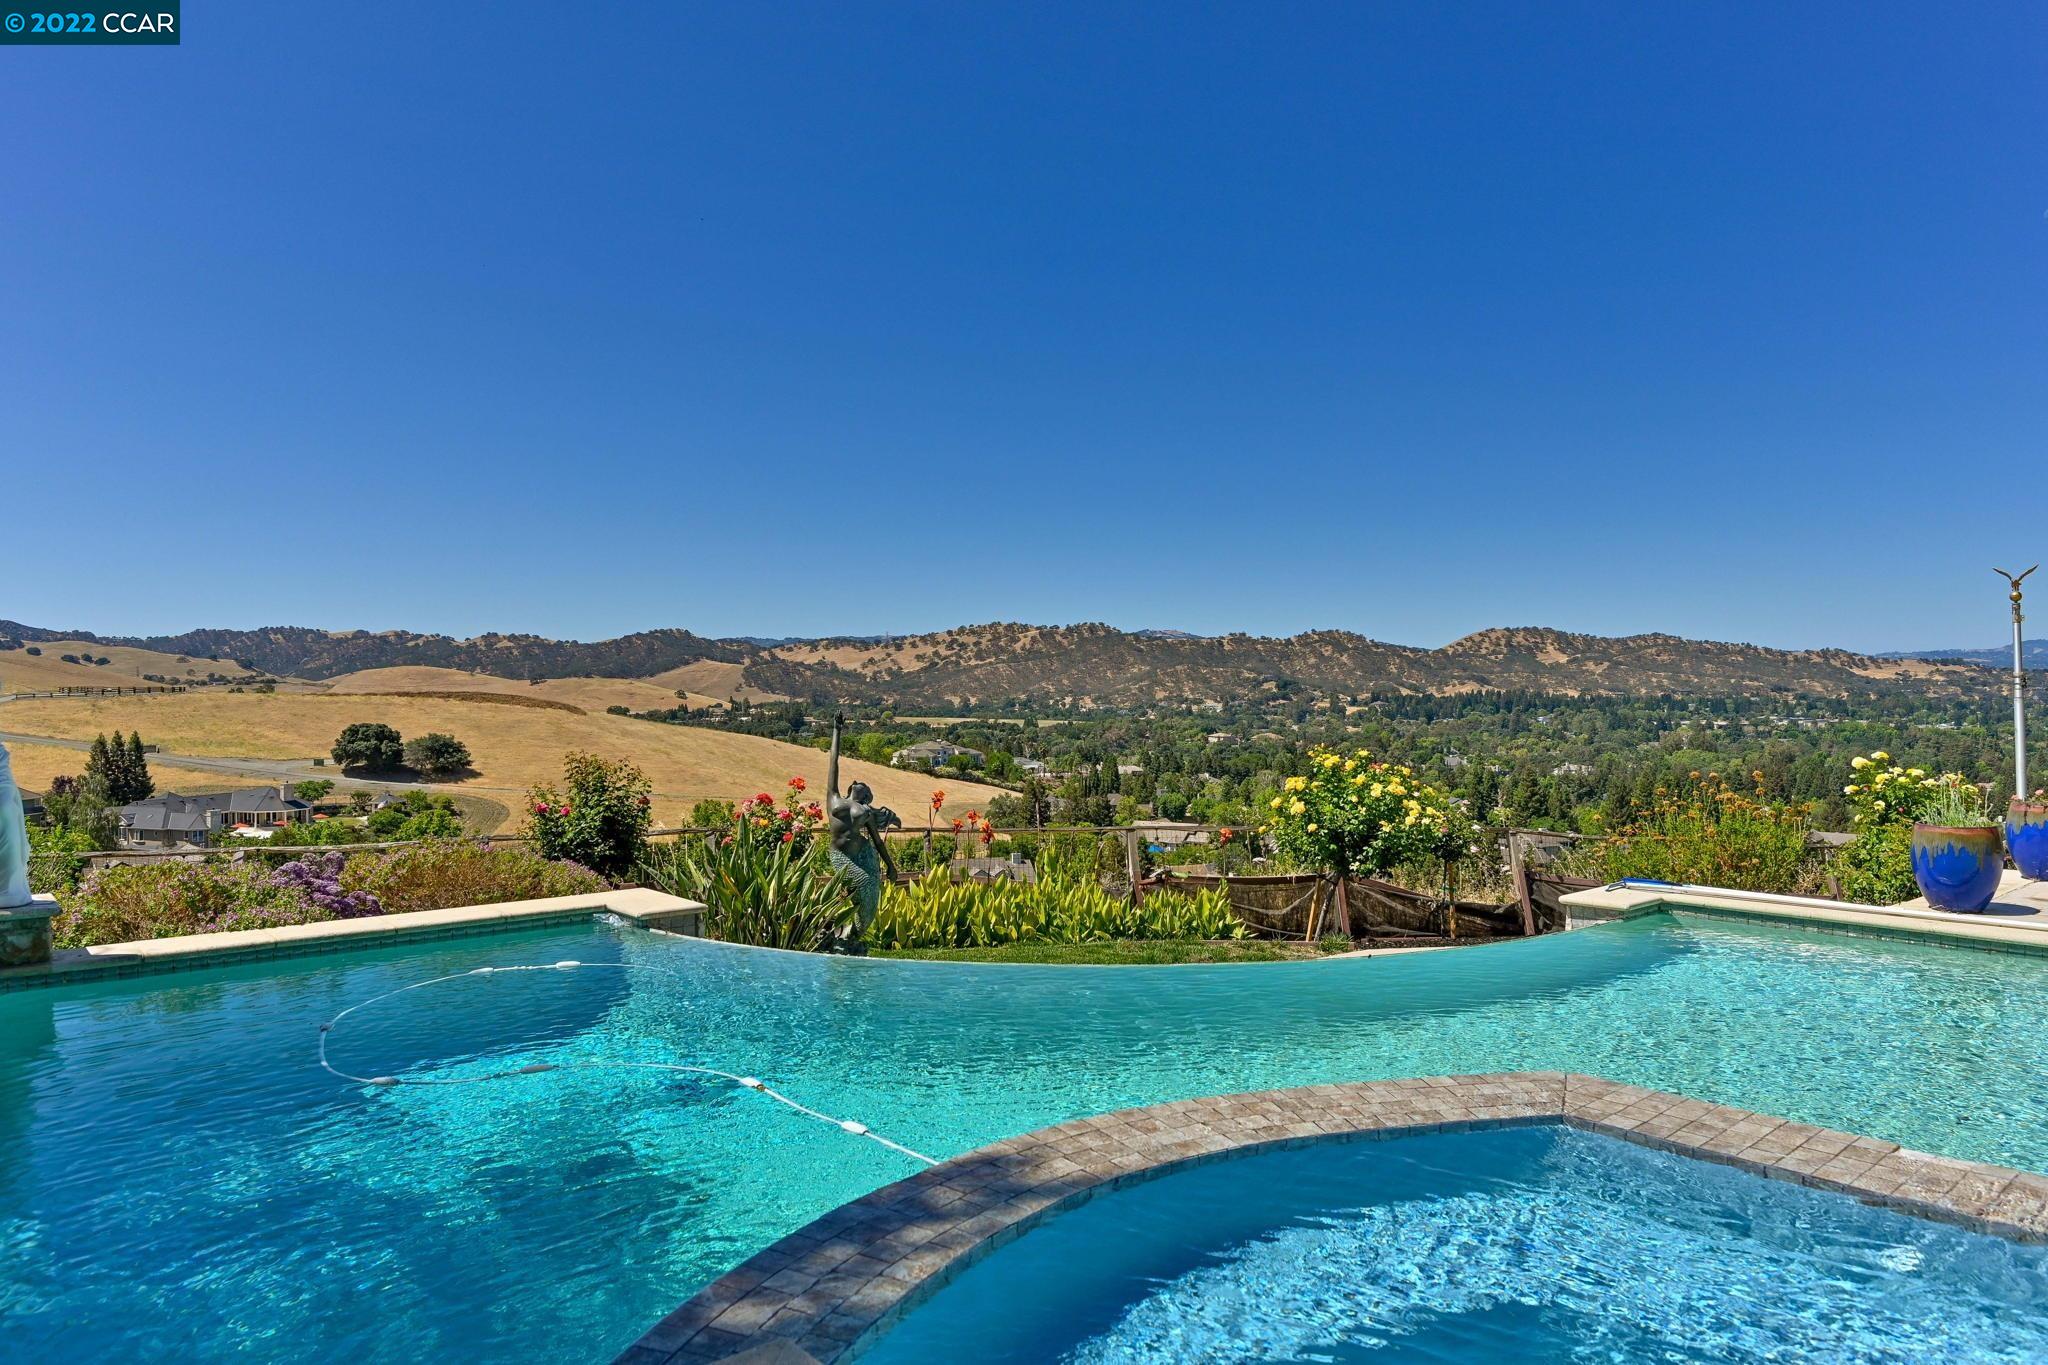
934,753
166,821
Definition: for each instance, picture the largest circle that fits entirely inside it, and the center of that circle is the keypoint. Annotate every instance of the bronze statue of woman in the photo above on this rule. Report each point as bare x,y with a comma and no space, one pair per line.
859,852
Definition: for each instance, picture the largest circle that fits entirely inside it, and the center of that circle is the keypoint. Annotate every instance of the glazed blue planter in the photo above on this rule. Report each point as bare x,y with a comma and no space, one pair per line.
2026,837
1958,866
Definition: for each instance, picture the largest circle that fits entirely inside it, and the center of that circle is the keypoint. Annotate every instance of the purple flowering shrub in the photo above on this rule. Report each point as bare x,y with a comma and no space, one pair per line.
128,901
317,877
124,902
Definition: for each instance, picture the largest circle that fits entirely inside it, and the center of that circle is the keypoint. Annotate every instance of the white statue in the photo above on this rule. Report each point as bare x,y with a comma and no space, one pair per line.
14,891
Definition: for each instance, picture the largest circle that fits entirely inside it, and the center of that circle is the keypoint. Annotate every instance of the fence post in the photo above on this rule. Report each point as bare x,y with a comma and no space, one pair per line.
1519,866
1132,867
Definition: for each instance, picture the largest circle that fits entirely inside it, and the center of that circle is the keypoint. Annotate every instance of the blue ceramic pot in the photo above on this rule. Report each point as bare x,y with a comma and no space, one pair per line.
1958,866
2026,836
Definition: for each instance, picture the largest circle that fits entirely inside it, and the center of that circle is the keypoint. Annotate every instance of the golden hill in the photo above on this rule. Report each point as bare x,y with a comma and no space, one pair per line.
513,746
21,671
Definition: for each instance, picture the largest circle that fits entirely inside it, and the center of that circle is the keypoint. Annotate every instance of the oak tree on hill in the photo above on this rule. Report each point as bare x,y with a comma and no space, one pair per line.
368,744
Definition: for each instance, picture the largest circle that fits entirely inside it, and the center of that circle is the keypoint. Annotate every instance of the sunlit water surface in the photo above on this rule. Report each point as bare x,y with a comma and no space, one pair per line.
179,1180
1527,1244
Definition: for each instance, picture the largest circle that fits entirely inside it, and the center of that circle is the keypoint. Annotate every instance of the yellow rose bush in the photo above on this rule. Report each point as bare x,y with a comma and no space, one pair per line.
1351,816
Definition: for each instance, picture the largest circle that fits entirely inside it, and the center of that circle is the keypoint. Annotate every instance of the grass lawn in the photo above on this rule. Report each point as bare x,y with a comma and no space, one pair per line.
1120,953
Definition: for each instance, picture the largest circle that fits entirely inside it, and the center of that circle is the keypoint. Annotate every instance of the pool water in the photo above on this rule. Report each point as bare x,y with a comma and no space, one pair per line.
179,1180
1525,1244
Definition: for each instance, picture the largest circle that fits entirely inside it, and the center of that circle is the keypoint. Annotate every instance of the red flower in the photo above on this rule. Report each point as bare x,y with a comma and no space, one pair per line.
561,810
988,835
788,836
814,810
938,799
764,799
1227,835
957,824
540,808
796,784
785,816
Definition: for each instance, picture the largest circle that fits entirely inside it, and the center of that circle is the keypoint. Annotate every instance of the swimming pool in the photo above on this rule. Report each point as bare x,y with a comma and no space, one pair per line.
179,1179
1528,1244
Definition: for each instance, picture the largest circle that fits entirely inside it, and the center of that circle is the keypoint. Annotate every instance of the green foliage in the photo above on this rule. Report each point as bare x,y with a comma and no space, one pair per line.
416,815
124,902
51,871
119,769
1350,816
1707,833
600,819
1876,868
436,755
320,833
711,814
436,876
80,805
1958,804
313,789
367,744
935,912
757,887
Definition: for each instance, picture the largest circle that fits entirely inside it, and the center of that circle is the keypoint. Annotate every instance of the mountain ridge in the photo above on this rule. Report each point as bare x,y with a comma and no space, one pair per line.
1091,665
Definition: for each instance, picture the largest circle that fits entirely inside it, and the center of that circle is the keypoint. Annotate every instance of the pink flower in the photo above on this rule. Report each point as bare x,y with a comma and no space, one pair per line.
561,810
540,808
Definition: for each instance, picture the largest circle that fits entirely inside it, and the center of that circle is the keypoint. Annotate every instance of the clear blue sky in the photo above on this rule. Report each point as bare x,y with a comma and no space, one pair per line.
1729,320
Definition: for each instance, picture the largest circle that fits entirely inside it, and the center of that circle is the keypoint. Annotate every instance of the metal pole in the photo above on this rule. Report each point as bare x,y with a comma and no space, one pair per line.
2019,685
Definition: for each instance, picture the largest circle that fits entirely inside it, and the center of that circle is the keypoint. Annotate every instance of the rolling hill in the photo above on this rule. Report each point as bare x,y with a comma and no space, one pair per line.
1081,666
513,747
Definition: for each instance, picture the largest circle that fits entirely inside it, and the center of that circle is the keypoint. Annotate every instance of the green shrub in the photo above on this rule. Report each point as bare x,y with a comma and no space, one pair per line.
934,912
1876,867
600,820
1706,833
51,868
447,873
769,892
129,901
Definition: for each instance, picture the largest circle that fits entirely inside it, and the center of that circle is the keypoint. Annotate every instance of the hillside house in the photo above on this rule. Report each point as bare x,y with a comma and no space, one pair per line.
167,821
934,753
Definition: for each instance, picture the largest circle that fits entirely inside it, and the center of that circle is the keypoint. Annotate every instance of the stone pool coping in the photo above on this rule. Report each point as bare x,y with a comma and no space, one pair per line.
649,909
2016,921
829,1290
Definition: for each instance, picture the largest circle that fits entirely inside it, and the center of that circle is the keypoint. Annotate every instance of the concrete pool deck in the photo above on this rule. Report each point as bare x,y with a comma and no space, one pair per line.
829,1290
2017,919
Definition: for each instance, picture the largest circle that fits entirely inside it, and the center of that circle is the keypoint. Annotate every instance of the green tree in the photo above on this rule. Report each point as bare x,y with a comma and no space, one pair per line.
367,744
80,804
418,815
313,790
436,755
141,786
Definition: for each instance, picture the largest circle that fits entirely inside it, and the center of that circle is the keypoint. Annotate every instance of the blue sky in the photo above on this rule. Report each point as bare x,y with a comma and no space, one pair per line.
789,319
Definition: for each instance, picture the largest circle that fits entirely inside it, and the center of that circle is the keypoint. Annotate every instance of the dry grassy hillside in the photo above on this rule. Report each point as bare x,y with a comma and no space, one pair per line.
21,671
513,746
714,680
588,694
36,764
